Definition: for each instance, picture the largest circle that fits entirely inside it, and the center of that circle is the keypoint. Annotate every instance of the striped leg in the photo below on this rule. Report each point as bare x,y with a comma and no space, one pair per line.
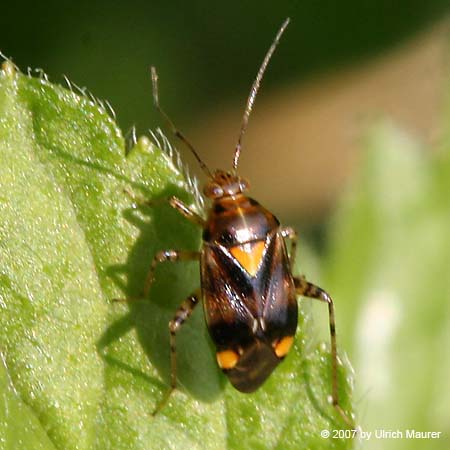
166,255
161,256
182,314
307,289
174,202
187,212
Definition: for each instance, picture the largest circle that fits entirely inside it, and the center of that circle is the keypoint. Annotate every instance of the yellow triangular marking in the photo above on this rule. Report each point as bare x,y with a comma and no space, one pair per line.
249,255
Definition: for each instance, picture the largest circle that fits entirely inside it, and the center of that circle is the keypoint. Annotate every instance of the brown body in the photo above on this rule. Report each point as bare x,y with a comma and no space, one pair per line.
249,296
248,290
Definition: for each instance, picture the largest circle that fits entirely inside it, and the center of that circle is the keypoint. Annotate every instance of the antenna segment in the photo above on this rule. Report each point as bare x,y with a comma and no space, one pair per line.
175,130
254,91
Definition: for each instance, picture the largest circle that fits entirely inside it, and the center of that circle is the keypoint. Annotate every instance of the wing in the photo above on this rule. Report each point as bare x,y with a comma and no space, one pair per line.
227,292
248,292
275,287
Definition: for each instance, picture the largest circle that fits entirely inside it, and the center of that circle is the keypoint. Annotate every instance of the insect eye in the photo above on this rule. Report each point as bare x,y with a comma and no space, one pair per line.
243,184
213,190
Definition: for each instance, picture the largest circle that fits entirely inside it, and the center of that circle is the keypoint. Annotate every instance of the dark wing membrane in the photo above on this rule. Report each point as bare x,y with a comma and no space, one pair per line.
276,289
239,307
227,290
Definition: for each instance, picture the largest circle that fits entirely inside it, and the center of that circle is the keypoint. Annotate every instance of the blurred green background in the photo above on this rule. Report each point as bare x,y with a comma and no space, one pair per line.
207,55
388,260
205,51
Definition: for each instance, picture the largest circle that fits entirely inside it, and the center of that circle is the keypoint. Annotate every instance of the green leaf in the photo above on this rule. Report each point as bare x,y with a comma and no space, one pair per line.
18,434
91,371
389,269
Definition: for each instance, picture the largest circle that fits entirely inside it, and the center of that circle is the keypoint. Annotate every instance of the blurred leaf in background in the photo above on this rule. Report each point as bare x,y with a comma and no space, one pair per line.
389,269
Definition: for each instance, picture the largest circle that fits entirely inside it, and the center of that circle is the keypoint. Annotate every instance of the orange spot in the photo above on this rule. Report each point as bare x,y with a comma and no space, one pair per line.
283,346
227,359
249,255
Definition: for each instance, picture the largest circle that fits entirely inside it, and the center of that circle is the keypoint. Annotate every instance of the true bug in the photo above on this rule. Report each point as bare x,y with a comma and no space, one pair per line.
247,286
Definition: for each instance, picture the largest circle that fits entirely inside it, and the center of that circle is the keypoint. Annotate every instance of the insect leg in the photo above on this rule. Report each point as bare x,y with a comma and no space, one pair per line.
161,256
290,233
182,314
307,289
175,130
167,255
174,202
187,212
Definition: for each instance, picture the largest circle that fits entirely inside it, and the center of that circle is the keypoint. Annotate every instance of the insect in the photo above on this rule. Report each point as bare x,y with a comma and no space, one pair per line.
248,290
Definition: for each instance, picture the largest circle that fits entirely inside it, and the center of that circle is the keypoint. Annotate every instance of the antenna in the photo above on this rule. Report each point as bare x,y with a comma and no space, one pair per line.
254,91
175,130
